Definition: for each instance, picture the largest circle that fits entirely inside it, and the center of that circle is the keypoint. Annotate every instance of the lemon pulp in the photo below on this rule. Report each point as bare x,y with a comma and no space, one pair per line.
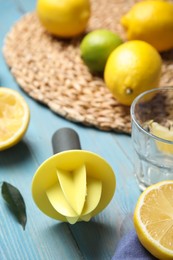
153,219
14,117
164,133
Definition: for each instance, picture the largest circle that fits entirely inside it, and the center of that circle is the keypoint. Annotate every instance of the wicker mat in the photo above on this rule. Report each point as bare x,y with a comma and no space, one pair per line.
51,71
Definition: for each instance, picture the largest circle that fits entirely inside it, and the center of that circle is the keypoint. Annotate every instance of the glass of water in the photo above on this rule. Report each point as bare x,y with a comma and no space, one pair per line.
152,136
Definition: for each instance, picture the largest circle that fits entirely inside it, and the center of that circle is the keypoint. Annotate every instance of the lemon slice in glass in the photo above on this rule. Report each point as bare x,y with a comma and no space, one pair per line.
14,117
164,133
153,219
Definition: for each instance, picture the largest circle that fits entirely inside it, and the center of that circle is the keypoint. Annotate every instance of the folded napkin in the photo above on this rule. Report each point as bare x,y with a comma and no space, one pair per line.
129,248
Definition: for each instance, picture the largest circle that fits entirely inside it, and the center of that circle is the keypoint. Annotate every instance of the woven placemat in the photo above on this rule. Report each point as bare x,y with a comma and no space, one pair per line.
51,70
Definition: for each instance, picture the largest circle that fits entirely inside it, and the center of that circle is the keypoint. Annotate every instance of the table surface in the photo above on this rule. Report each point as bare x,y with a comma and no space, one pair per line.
46,238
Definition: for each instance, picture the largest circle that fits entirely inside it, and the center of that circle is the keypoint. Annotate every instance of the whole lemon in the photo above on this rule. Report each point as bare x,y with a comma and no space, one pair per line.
150,21
96,47
132,68
64,18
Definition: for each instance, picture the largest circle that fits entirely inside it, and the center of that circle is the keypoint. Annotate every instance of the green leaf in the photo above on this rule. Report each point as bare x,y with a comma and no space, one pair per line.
15,201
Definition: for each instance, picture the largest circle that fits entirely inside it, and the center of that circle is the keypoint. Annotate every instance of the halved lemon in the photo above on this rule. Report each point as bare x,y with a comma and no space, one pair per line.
153,219
14,117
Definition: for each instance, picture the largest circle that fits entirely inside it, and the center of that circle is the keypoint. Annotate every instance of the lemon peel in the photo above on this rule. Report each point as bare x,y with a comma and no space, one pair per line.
150,21
96,47
132,68
64,18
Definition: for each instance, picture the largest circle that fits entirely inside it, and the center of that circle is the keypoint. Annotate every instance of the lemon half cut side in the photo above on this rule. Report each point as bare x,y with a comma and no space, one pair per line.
153,219
14,117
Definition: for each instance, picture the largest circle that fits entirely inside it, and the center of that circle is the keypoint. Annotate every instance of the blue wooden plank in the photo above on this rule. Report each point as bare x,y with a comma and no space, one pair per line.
43,237
116,219
46,238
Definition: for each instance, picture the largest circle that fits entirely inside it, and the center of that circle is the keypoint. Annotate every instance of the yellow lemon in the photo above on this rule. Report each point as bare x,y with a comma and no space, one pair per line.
132,68
14,117
96,46
165,133
64,18
153,219
150,21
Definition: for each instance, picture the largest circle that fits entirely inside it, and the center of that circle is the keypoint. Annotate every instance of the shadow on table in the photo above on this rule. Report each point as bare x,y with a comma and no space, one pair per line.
93,239
15,155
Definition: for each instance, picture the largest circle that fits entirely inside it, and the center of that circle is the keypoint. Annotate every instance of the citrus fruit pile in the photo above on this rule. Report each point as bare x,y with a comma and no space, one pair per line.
153,219
128,69
132,67
14,117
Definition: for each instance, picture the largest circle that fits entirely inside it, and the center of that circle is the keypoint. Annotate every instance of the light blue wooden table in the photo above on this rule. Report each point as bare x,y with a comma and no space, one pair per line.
45,238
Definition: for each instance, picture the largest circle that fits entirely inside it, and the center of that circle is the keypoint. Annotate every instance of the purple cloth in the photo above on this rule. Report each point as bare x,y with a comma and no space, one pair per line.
129,248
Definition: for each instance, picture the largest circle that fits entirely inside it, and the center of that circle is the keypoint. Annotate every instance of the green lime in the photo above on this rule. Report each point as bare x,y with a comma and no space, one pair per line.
96,46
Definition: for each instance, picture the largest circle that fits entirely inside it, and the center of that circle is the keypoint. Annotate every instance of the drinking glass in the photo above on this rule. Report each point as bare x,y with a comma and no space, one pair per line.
152,136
